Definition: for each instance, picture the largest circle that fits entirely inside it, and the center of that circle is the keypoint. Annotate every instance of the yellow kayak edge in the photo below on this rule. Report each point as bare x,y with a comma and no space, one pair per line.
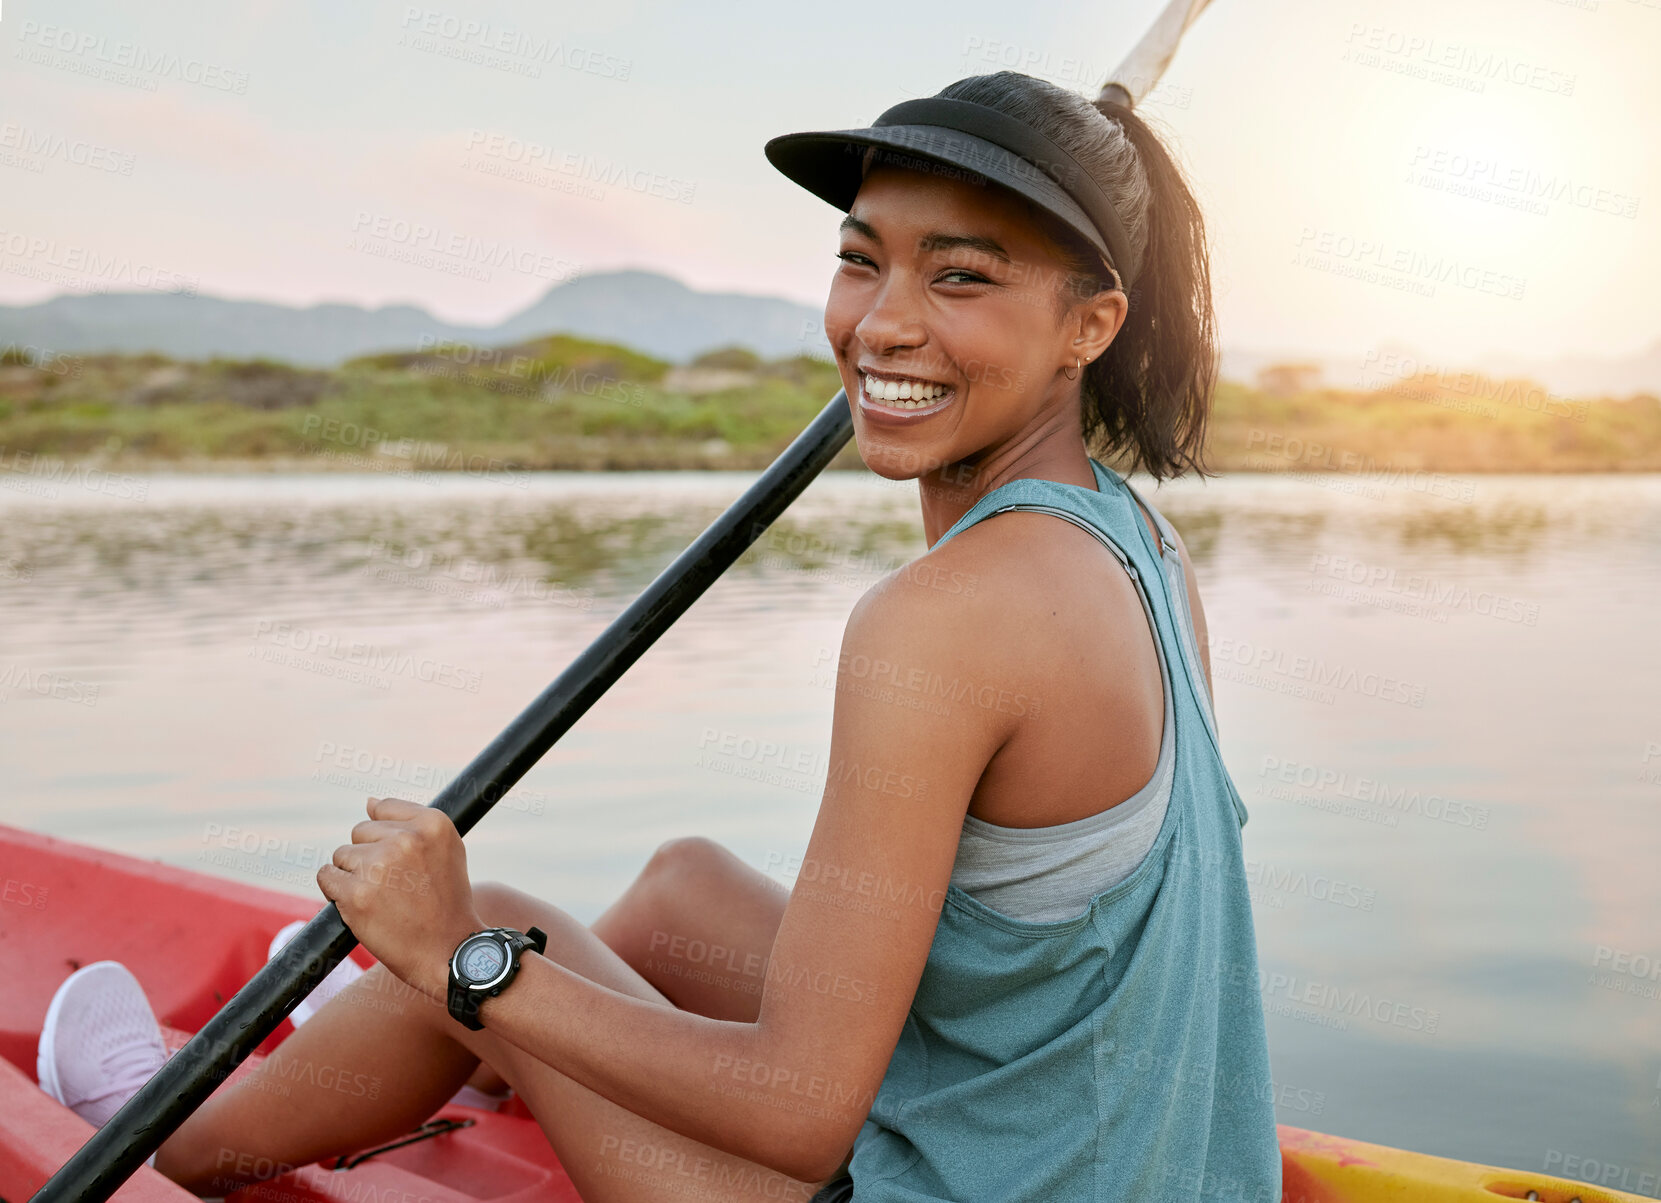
1318,1168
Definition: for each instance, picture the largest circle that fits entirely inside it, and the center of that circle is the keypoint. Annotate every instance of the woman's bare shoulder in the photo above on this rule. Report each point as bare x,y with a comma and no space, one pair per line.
1002,589
985,570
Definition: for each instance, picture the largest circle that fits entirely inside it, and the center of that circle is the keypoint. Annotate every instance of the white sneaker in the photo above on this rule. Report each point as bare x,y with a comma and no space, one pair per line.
341,976
100,1042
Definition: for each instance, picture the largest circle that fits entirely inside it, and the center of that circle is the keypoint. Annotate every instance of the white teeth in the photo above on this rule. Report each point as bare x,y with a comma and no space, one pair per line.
906,394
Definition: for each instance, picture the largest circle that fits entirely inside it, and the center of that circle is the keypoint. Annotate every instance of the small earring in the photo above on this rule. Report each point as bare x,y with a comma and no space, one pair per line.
1077,367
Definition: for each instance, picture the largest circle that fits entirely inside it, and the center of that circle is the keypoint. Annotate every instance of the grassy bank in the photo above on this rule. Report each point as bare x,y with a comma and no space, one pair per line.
567,403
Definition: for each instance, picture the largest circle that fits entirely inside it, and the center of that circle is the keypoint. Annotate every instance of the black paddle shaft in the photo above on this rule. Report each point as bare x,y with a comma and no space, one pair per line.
185,1081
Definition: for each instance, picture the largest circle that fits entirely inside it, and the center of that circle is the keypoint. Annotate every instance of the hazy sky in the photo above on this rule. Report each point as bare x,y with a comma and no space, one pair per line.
1462,176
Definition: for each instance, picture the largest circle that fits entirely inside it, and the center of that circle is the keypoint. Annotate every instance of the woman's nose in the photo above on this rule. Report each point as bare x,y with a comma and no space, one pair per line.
894,319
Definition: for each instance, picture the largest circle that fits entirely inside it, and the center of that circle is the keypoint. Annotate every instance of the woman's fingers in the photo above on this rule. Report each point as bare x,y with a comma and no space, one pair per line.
394,809
370,830
335,882
348,857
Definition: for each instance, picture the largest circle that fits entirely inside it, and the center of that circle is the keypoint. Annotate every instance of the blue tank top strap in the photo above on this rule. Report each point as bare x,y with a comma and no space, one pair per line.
1111,511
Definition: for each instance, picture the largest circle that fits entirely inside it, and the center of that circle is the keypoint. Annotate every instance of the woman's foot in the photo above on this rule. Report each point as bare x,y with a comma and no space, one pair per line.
343,975
100,1042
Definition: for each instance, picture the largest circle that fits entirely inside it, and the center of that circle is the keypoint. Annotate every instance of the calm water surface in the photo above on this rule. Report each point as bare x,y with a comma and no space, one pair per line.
1440,705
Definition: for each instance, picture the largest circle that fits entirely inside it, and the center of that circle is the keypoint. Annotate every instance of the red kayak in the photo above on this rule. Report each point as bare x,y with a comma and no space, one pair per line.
192,940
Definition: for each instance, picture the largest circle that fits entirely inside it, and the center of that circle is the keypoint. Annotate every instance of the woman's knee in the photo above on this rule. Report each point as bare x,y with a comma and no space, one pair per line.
674,881
678,865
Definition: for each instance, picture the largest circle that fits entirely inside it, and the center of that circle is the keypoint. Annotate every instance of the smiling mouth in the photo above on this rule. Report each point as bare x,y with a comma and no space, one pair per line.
903,392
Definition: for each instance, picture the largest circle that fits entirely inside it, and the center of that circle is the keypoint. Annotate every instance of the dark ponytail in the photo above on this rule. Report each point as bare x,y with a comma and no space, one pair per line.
1145,401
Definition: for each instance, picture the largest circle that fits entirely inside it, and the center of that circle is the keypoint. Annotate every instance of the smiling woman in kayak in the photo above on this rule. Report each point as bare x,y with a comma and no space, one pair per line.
1018,961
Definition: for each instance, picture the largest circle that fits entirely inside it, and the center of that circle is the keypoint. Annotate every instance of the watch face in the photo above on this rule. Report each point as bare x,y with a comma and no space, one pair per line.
482,959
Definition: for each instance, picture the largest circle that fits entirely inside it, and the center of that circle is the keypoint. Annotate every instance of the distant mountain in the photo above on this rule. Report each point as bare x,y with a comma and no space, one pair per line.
651,313
199,327
665,318
643,310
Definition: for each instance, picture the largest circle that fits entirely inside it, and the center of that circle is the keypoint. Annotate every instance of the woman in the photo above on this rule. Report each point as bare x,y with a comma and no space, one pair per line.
1018,961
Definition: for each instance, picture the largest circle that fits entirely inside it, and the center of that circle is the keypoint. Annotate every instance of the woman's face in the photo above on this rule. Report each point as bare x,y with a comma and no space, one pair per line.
950,297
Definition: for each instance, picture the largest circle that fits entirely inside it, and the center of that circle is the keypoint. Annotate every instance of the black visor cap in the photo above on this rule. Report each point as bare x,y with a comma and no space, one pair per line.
979,145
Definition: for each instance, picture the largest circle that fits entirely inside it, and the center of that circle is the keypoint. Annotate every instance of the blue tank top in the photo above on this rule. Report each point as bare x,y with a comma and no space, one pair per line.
1119,1054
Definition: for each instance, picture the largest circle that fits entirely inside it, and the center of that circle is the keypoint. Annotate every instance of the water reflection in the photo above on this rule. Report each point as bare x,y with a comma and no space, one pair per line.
264,651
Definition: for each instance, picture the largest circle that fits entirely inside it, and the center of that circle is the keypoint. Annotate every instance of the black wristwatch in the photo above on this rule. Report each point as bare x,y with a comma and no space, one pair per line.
483,965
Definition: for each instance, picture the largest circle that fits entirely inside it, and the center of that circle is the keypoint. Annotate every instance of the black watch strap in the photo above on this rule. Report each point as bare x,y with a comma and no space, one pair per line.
463,1002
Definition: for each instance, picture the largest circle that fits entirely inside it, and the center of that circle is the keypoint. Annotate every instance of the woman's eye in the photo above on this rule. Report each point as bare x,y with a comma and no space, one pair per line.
855,258
963,276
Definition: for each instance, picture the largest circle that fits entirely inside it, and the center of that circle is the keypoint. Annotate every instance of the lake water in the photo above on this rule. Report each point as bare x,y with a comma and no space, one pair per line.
1457,874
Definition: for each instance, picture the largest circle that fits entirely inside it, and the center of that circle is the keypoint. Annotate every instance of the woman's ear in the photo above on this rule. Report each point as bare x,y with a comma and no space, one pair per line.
1099,320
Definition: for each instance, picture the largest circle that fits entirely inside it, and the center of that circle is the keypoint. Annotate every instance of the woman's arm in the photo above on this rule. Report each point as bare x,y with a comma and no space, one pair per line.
792,1089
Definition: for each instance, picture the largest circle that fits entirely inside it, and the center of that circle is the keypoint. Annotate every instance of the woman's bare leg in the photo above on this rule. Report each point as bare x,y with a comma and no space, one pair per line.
380,1059
699,925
